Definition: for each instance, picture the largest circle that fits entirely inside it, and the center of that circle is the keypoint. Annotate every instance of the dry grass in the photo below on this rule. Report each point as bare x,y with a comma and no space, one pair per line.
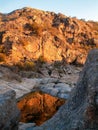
27,65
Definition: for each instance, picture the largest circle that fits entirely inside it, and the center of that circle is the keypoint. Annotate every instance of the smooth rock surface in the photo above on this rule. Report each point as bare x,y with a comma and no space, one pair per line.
42,84
26,126
9,114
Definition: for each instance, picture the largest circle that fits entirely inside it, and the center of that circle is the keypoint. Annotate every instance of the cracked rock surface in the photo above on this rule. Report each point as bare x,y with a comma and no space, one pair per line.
81,110
9,113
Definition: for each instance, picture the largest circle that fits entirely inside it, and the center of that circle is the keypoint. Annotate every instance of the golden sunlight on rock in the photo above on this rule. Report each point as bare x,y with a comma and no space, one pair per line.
38,107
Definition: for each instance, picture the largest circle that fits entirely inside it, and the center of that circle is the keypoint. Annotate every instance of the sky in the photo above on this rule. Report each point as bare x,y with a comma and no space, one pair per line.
82,9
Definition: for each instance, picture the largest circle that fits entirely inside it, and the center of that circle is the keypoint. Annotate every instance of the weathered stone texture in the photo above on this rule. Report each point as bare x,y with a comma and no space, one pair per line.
81,110
9,114
30,34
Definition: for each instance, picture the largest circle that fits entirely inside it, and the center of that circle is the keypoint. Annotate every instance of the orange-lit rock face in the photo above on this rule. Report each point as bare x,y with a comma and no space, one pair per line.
33,33
38,107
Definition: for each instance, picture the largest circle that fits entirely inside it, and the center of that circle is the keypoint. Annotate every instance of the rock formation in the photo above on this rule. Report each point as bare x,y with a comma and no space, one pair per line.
28,34
35,38
9,114
81,110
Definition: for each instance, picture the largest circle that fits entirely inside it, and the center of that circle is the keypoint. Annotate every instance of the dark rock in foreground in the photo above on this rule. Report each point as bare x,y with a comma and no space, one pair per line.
81,110
9,114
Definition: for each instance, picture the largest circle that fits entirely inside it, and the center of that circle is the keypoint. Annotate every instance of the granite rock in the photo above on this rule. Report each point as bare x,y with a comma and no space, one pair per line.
81,110
9,113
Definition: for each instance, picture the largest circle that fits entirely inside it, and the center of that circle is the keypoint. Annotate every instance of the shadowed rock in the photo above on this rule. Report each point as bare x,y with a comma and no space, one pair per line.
81,110
9,114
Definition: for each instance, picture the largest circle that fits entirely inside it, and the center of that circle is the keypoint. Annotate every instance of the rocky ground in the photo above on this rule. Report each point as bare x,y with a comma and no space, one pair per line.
81,110
41,52
57,84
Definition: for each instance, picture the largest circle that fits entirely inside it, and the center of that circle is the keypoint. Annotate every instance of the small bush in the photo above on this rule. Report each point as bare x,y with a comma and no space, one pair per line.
27,65
41,60
37,29
57,64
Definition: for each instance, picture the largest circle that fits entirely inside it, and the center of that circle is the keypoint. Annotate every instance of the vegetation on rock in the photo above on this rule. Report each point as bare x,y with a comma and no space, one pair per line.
32,33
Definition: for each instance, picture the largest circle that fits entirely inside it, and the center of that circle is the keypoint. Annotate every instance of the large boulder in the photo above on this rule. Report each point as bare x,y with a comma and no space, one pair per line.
9,114
81,110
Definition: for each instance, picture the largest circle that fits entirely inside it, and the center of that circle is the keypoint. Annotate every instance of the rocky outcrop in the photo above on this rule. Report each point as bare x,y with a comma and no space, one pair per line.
9,114
53,84
28,34
58,84
81,110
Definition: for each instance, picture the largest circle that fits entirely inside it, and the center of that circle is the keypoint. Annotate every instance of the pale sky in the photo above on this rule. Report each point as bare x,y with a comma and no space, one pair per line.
85,9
